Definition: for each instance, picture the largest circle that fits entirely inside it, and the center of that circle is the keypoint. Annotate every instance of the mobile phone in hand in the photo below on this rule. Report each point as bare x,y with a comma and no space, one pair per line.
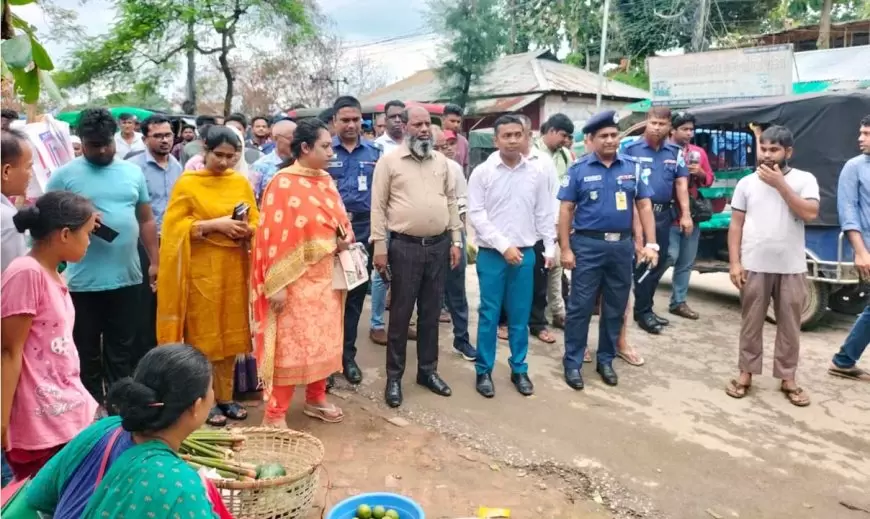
240,212
104,232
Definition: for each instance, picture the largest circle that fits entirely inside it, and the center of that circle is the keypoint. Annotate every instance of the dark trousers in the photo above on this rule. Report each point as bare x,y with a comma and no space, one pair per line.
419,272
105,335
646,291
604,266
146,338
356,298
538,317
456,299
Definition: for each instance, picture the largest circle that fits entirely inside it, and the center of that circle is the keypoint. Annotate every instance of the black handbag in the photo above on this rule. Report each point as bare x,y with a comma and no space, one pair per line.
700,208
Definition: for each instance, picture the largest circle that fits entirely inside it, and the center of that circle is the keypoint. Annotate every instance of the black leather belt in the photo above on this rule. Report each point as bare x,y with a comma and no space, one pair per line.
424,241
658,208
606,236
359,217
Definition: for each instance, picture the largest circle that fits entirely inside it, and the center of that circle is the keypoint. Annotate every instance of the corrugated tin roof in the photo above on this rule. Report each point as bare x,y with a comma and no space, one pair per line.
497,105
514,75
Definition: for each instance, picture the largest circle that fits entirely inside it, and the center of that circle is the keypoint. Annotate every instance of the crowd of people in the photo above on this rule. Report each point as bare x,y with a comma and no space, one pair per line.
220,241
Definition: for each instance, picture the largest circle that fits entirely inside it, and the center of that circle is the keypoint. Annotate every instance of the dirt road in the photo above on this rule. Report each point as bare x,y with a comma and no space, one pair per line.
667,442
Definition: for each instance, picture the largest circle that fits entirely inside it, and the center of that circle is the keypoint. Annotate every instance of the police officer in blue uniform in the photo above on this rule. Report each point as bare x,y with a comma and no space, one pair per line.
663,169
600,197
352,166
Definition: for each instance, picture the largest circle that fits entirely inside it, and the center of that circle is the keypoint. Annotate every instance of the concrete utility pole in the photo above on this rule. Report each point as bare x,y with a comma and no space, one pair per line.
603,57
702,14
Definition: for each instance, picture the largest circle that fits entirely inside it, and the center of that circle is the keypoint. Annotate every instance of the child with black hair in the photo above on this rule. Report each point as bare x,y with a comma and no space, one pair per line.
44,403
17,168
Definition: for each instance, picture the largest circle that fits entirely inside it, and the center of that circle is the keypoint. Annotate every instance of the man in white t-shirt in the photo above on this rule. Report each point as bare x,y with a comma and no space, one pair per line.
766,247
128,139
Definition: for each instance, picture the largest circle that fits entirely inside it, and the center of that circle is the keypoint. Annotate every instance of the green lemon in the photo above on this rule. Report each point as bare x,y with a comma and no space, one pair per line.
391,514
378,512
364,512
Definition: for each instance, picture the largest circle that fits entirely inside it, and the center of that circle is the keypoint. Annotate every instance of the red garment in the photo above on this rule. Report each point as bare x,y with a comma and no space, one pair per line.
695,182
214,497
279,402
26,463
462,149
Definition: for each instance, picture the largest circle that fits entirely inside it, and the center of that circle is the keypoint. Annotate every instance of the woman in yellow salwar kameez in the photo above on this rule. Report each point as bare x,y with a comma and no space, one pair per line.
202,283
298,315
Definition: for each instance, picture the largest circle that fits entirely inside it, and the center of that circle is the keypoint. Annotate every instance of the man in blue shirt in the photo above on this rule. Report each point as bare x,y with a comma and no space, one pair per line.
601,197
266,166
663,170
161,171
352,167
105,284
853,203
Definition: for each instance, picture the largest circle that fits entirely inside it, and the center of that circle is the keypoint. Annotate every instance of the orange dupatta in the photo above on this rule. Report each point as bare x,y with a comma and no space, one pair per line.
301,213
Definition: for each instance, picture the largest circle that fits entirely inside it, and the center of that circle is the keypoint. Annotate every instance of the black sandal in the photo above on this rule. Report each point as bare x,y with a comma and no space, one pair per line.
234,411
853,373
216,417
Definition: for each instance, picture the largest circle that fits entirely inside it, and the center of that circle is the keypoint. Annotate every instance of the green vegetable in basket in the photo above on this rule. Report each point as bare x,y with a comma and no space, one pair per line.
270,470
391,514
364,512
379,512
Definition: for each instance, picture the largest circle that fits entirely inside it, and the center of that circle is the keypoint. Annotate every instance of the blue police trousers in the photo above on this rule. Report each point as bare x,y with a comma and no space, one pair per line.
500,283
605,266
456,300
645,292
356,298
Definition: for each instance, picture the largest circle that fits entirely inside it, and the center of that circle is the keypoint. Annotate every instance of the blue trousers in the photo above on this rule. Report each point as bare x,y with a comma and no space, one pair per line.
681,254
604,266
456,301
646,291
856,342
379,300
511,285
353,305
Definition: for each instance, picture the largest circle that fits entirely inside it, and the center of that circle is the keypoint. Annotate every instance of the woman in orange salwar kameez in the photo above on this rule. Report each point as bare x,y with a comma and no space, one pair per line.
298,315
202,284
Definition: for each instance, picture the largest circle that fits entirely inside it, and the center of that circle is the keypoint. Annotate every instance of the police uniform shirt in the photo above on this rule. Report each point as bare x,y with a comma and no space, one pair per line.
353,173
658,168
603,196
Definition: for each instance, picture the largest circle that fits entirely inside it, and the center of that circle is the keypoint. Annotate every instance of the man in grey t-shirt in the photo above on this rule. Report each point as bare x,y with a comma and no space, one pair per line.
766,250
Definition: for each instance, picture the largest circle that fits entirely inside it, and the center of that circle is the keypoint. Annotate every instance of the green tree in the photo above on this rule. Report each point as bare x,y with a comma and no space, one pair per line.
150,37
24,59
548,24
475,36
822,12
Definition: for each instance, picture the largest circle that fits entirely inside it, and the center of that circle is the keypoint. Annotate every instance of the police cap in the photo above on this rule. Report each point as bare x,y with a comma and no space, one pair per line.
606,119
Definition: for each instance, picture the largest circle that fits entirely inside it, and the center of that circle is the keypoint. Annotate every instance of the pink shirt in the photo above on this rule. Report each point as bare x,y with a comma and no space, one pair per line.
51,404
196,163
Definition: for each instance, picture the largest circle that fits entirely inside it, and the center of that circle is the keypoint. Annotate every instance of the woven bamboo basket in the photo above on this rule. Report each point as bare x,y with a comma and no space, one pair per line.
286,497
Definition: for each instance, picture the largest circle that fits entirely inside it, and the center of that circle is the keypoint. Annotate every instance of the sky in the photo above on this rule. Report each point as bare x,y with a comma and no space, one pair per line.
391,33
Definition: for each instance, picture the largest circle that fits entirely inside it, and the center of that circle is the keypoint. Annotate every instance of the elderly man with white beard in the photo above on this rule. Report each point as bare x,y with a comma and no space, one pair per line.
414,199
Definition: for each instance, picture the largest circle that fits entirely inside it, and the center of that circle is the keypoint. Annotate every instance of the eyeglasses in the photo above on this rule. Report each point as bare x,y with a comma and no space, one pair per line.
161,136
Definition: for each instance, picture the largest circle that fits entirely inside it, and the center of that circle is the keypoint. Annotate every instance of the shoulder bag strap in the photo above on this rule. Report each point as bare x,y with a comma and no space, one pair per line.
106,454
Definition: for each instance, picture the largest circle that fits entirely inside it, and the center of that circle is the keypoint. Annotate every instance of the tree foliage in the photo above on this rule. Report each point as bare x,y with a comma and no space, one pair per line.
25,61
793,13
149,37
475,35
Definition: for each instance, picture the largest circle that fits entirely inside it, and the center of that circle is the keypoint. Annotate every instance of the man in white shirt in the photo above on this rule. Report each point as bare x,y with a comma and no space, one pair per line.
510,207
766,246
395,134
128,139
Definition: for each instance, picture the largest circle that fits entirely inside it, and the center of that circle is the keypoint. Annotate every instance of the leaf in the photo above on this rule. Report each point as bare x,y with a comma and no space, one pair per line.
17,51
27,84
40,57
49,86
21,2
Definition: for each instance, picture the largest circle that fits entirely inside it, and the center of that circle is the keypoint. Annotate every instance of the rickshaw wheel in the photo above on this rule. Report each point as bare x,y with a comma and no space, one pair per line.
815,306
849,300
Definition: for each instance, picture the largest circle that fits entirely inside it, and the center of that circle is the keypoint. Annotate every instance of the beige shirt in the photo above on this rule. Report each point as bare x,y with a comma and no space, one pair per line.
413,197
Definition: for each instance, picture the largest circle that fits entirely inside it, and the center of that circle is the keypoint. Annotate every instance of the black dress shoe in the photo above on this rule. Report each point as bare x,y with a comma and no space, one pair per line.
393,393
485,386
649,324
352,372
607,374
574,379
661,320
523,383
433,383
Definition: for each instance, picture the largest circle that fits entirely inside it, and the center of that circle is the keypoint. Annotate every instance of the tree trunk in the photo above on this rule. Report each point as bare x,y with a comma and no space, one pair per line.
466,88
824,41
228,75
191,68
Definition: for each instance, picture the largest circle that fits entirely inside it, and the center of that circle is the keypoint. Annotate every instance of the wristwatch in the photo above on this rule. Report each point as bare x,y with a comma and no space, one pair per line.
652,246
457,244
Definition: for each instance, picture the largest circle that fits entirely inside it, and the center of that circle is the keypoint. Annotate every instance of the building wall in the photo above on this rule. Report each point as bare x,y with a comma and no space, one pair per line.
577,108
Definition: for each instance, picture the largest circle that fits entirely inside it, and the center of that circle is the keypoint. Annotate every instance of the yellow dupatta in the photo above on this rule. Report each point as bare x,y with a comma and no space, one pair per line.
197,196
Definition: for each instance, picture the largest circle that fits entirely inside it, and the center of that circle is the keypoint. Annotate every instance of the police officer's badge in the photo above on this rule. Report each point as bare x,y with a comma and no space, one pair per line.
565,181
644,175
593,195
615,118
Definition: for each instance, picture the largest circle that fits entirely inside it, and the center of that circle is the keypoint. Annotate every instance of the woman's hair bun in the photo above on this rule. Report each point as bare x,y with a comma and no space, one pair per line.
136,403
26,218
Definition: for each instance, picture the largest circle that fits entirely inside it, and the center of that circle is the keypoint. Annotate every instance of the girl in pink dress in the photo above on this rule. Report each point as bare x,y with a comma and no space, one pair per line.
44,403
